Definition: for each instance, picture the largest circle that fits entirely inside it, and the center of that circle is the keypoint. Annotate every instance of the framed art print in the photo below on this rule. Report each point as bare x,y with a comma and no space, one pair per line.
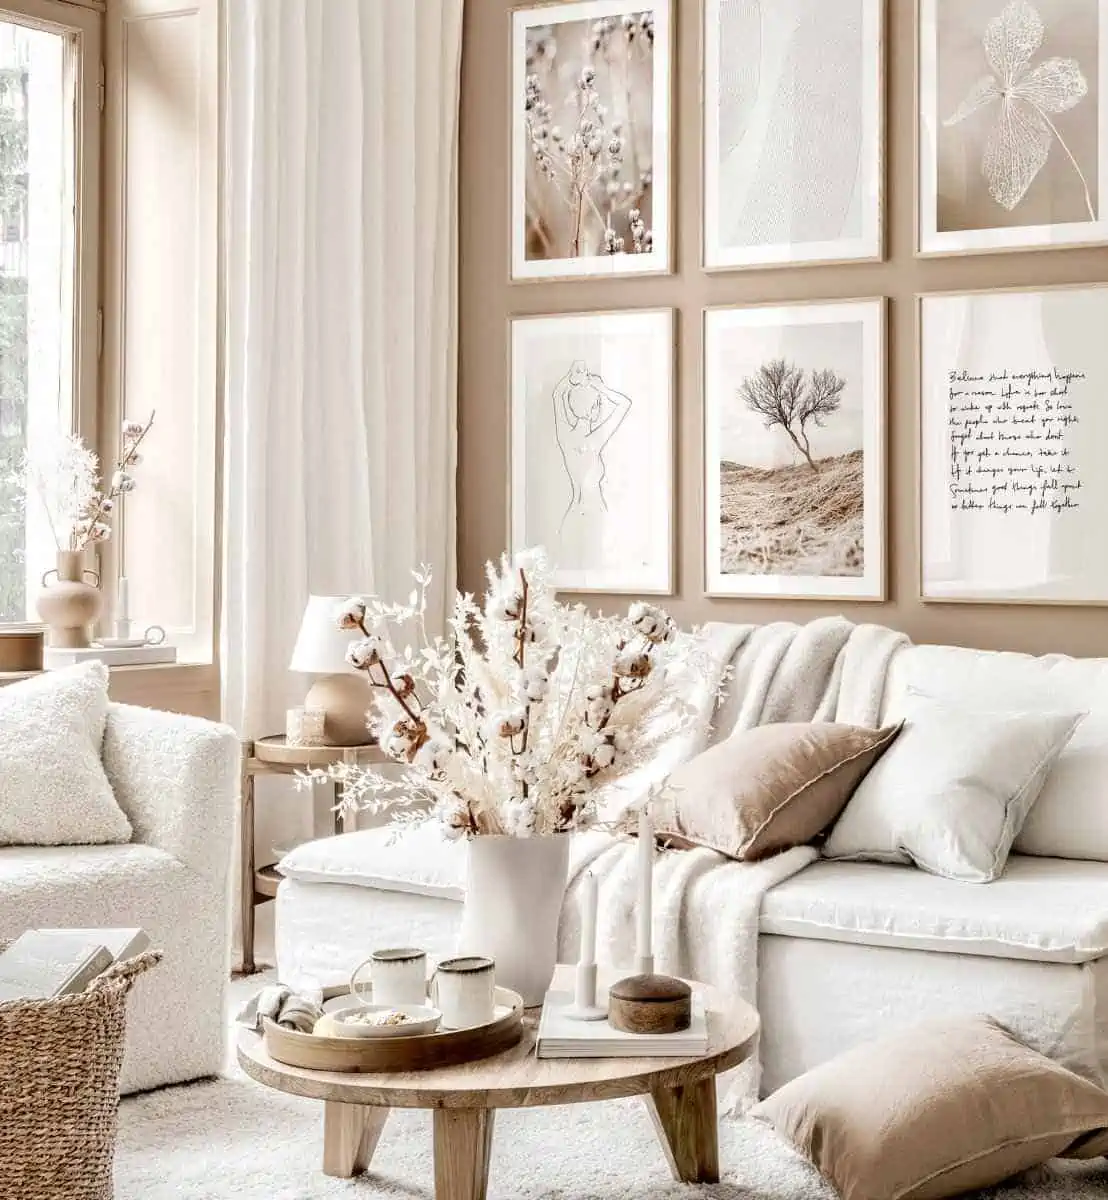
592,447
795,450
1012,124
794,116
591,95
1013,491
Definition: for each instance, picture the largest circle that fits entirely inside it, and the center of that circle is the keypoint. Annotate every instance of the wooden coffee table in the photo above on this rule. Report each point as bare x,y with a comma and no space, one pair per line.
680,1095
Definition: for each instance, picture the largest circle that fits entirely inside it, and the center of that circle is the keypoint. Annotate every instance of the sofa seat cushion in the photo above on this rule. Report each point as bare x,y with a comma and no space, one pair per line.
1041,909
30,873
411,858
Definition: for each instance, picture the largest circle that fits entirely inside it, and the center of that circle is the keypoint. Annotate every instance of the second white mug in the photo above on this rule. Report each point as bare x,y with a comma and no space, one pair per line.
464,991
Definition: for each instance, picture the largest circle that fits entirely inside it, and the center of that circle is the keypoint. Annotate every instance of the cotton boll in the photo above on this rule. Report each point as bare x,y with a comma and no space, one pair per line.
351,615
508,723
519,818
632,664
365,652
434,756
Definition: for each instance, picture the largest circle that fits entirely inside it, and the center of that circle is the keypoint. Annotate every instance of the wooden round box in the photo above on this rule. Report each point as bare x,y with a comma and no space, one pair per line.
650,1004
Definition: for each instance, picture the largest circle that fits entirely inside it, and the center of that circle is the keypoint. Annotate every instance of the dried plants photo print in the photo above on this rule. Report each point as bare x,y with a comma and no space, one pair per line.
793,415
1013,91
589,196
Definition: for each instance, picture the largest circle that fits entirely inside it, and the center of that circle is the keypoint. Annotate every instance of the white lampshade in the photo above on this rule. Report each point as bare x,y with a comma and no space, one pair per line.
321,645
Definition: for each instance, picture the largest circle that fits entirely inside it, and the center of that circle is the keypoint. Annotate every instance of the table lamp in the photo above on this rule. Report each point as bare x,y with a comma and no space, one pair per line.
340,690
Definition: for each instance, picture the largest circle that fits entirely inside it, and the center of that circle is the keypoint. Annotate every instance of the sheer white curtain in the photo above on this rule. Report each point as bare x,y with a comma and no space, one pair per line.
341,143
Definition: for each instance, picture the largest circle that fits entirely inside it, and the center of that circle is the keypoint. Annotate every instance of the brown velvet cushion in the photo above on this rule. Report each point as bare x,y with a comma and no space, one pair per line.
769,788
942,1108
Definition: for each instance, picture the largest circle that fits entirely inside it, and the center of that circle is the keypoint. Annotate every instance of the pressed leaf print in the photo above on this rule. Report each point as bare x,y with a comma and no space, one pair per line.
1025,98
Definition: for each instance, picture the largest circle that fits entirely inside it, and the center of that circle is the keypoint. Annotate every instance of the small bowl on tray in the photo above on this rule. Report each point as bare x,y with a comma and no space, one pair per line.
373,1021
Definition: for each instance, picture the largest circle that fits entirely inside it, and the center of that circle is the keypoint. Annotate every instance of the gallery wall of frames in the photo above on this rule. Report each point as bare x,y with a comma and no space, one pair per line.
779,308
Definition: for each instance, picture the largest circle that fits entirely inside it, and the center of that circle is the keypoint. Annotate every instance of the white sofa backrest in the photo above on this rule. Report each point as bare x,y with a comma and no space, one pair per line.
1070,818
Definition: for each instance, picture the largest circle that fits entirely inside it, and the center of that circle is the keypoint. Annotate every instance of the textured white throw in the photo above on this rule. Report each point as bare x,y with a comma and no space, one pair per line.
706,906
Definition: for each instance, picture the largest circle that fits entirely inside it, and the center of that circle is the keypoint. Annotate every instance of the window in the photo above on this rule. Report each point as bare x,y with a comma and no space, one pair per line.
49,161
108,289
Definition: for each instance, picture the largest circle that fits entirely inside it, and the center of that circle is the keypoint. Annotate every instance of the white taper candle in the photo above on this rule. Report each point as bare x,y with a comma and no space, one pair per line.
122,599
588,919
645,914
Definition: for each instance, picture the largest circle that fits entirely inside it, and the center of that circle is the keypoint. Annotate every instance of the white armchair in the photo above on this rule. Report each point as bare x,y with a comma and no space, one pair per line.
176,778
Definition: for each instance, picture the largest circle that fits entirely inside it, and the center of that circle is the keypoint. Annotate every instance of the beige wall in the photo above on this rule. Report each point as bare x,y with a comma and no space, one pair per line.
488,300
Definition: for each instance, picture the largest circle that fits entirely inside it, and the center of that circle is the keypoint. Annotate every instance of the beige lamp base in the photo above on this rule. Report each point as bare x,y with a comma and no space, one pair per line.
345,700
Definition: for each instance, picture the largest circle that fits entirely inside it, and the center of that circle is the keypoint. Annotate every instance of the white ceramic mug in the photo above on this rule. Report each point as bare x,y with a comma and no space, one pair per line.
464,991
399,976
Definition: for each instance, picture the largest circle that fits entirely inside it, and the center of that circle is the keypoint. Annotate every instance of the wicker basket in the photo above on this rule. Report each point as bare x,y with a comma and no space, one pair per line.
59,1088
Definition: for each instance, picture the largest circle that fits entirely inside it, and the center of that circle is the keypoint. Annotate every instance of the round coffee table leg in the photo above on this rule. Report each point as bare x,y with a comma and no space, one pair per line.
687,1125
350,1135
463,1142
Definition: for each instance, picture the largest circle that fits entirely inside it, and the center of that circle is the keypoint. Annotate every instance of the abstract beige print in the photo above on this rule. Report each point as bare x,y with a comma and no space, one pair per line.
1018,107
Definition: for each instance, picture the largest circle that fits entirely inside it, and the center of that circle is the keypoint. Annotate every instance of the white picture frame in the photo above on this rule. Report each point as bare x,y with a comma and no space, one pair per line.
559,228
829,206
979,189
592,450
775,524
1013,501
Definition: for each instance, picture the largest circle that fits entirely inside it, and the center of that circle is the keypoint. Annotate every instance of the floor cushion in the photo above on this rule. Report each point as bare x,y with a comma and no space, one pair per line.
934,1111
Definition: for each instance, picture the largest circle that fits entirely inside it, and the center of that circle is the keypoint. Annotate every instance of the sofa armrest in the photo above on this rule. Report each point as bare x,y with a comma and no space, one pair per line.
177,779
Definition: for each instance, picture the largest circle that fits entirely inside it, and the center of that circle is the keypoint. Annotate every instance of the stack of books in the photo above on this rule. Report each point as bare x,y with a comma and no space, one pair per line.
44,963
560,1036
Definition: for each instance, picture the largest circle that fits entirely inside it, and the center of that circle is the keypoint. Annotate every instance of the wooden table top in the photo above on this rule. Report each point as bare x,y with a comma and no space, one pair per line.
516,1078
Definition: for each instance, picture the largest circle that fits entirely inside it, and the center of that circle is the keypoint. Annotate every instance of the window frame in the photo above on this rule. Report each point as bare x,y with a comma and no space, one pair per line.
83,27
84,23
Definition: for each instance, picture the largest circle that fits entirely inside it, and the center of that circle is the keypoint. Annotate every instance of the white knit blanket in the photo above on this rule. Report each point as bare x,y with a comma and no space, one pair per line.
706,906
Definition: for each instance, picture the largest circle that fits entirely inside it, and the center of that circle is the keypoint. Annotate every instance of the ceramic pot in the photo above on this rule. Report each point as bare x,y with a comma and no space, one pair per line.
69,605
514,896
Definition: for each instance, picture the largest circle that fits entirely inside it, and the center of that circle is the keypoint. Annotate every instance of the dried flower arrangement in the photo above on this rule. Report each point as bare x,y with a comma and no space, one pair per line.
513,723
65,476
589,184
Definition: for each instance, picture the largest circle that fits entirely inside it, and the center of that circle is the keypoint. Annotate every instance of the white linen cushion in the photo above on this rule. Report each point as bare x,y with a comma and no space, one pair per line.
1041,909
409,858
1070,817
53,788
953,790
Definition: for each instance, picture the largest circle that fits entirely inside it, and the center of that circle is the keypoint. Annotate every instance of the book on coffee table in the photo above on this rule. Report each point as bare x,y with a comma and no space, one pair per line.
560,1036
44,963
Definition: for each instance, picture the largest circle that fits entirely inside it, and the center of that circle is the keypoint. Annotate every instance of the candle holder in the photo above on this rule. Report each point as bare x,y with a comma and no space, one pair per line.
584,1006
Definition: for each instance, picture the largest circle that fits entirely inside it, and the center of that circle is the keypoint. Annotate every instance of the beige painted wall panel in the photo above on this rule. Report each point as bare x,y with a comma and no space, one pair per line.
488,300
162,335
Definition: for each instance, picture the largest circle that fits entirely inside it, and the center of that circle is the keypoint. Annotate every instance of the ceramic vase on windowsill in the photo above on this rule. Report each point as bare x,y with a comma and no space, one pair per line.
514,894
69,604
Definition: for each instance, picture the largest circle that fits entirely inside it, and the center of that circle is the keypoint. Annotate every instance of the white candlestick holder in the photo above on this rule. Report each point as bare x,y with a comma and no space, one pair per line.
644,964
584,1006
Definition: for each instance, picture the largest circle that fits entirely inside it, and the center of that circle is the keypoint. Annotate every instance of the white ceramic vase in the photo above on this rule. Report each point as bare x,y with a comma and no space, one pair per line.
514,896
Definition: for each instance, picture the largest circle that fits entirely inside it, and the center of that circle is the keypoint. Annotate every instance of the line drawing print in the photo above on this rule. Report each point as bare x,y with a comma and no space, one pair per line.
587,415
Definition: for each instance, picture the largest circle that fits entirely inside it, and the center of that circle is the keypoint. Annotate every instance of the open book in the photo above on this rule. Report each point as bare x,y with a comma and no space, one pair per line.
43,963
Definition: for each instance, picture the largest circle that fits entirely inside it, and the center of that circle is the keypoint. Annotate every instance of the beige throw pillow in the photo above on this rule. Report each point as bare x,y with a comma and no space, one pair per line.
942,1108
769,788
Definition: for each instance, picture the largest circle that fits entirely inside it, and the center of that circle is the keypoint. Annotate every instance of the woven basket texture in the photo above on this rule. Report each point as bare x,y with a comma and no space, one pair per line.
59,1088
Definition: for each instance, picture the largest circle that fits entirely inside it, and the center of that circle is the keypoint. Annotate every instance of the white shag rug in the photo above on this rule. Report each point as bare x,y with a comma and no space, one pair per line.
233,1138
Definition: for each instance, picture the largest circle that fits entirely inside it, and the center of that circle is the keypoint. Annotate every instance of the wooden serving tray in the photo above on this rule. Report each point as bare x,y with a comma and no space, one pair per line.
424,1053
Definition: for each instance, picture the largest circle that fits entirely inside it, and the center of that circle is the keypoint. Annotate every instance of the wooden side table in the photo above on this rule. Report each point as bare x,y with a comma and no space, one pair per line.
274,756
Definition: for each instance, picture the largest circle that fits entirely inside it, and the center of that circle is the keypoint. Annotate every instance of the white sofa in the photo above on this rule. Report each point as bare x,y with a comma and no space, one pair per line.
847,950
176,778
